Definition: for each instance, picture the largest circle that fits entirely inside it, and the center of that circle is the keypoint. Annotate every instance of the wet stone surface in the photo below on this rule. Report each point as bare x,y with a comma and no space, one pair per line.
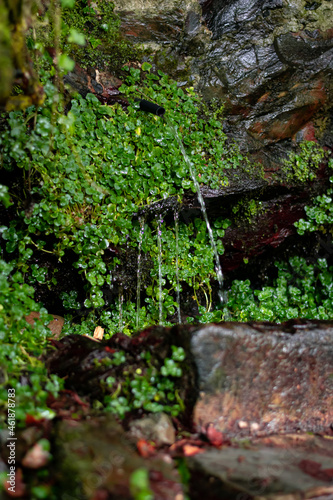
270,62
259,403
286,467
261,379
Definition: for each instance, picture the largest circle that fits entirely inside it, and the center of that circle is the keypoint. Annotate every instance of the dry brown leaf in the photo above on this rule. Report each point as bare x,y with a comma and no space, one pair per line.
190,450
36,457
99,333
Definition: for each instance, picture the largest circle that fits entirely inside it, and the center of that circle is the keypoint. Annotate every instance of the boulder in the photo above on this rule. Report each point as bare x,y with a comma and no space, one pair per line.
262,379
246,379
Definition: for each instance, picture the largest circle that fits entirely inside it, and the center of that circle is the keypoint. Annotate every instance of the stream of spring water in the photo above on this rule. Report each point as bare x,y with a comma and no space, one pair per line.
176,217
218,268
121,301
138,272
159,242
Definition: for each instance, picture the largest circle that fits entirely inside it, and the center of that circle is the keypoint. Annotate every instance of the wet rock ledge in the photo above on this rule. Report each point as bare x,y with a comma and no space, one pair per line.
256,423
257,419
244,378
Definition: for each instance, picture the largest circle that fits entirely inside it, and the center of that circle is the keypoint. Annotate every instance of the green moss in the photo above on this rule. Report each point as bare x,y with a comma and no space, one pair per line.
247,211
6,63
302,164
101,45
81,32
320,214
295,16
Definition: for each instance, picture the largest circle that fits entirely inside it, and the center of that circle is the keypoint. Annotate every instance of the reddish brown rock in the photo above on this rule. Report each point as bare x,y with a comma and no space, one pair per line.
101,83
261,379
55,325
298,110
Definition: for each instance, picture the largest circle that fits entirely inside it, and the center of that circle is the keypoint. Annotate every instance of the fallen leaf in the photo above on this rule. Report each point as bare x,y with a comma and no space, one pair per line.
36,457
190,450
99,333
179,445
145,449
108,349
32,420
76,398
214,436
314,469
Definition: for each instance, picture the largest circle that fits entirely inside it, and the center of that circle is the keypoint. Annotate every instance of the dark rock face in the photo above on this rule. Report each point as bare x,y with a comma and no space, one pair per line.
269,62
272,71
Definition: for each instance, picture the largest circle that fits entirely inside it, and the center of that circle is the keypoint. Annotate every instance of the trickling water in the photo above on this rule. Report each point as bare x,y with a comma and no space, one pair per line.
218,268
138,272
121,301
176,216
159,241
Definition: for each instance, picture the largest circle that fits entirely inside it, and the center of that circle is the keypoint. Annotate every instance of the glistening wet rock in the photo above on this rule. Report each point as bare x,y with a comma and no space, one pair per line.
270,62
247,379
261,379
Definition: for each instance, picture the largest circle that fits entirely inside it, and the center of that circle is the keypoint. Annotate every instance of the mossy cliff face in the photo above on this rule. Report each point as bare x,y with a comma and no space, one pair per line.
15,66
269,62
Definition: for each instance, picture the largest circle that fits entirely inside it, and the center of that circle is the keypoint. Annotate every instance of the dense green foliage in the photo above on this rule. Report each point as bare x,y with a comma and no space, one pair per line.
302,164
154,391
301,290
21,345
93,170
88,179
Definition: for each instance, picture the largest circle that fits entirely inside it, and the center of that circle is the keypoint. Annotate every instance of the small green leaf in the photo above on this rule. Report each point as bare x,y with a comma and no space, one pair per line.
67,4
76,37
146,66
66,63
95,42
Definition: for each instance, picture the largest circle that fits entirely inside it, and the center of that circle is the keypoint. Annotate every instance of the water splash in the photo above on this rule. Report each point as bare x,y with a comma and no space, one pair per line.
176,217
159,242
138,272
218,268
